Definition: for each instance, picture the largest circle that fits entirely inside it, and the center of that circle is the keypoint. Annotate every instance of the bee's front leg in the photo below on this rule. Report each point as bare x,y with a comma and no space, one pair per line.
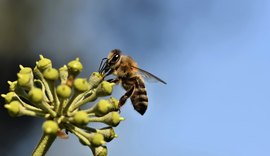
108,73
124,98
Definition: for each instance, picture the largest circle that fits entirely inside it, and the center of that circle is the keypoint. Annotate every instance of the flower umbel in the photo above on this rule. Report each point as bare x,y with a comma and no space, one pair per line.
56,96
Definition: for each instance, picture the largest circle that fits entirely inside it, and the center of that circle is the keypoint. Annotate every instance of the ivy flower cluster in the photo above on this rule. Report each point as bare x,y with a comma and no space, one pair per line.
56,95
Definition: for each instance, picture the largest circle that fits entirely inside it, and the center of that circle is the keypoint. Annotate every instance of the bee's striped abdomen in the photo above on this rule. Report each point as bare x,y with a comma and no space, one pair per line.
139,97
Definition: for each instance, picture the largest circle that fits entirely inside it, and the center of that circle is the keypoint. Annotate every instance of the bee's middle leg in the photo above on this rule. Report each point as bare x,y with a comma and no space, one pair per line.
116,81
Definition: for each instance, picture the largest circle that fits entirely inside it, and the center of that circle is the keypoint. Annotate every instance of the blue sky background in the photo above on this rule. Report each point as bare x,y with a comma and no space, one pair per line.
214,55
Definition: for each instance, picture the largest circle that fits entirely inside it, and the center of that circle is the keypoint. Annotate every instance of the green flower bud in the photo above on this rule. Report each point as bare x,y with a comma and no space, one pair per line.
81,84
12,85
81,118
103,107
111,119
13,108
43,63
75,66
100,151
51,74
94,79
96,75
35,95
25,80
96,139
9,96
63,91
105,88
108,133
50,127
25,70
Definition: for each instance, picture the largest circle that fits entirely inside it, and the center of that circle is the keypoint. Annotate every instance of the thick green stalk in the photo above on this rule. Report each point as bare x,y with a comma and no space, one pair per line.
44,144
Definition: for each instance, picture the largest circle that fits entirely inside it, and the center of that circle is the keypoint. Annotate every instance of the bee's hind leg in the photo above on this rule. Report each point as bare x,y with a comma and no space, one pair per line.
124,98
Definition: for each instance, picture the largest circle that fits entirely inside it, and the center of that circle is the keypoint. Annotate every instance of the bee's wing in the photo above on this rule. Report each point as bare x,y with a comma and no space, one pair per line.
148,76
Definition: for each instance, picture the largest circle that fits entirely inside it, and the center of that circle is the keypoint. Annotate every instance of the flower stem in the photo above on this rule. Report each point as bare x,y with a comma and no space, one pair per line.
44,144
90,98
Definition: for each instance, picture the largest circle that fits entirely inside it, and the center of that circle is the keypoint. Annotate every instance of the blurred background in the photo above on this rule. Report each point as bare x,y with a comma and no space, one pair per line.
214,55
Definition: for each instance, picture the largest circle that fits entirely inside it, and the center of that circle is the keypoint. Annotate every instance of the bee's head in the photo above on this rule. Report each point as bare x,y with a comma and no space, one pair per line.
112,59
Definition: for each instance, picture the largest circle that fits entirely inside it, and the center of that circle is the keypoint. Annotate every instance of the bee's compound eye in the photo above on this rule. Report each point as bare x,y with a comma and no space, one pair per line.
115,58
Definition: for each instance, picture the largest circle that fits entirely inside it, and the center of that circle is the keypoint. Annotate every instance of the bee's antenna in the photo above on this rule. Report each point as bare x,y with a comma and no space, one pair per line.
102,65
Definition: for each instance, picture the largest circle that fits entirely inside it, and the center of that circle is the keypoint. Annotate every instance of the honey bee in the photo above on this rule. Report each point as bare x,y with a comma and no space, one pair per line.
130,76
